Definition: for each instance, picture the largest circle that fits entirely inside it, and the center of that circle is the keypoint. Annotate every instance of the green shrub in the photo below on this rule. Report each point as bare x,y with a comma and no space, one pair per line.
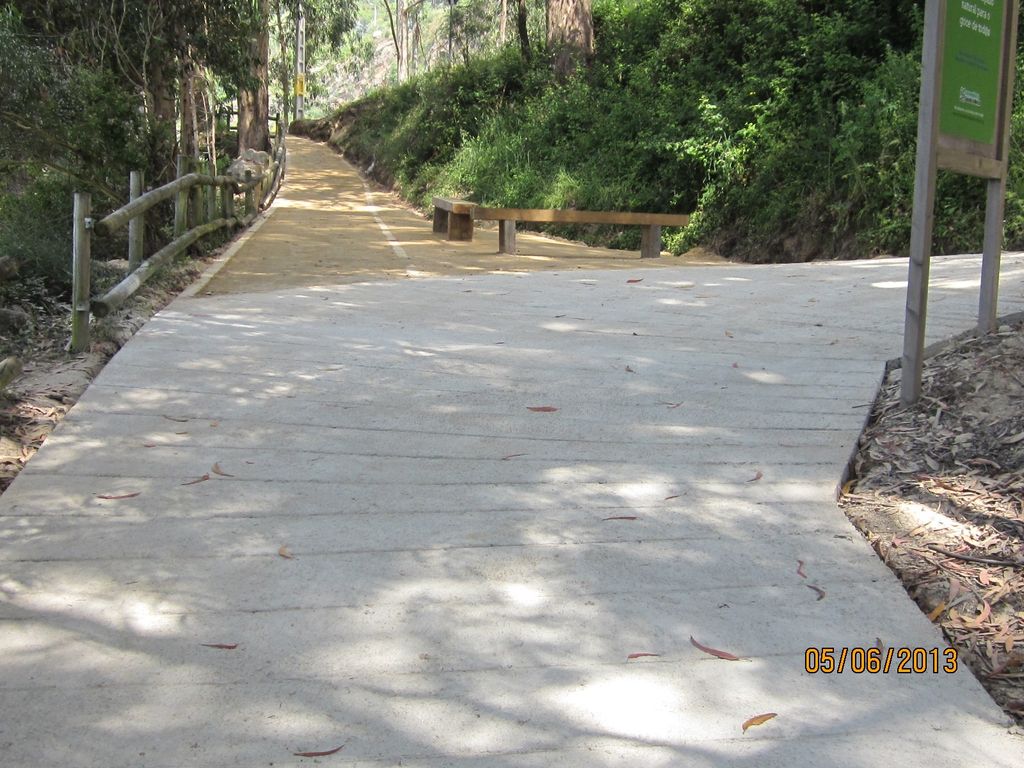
35,229
787,127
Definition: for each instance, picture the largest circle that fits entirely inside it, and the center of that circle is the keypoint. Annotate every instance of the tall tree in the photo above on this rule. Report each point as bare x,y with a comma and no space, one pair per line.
522,29
254,98
570,25
145,47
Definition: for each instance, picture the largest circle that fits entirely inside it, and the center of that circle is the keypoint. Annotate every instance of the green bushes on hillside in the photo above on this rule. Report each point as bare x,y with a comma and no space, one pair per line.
787,127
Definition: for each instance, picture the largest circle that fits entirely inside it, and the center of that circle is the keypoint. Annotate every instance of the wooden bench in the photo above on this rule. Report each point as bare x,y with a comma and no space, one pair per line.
455,217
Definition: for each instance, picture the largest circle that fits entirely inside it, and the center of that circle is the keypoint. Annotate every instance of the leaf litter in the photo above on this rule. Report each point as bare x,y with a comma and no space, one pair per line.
939,494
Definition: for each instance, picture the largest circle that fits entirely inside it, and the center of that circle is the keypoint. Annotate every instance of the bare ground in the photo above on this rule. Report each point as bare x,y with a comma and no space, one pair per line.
939,493
53,380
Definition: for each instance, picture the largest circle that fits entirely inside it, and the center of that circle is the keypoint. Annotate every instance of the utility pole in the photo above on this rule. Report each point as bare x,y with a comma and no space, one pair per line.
300,64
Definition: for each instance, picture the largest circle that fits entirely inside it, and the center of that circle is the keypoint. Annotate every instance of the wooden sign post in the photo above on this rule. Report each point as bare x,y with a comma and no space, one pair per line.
967,70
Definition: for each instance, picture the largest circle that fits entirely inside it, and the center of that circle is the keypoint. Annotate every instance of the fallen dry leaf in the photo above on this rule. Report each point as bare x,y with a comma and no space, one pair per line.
640,655
220,646
541,408
729,334
512,456
218,471
821,592
202,479
800,569
621,517
149,445
635,280
175,418
325,753
122,496
285,552
735,365
629,370
937,611
714,651
757,476
669,498
758,720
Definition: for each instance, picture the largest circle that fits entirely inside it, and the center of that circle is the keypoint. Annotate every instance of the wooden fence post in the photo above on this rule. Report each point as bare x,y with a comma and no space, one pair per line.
198,203
248,193
181,201
227,201
80,272
137,226
211,197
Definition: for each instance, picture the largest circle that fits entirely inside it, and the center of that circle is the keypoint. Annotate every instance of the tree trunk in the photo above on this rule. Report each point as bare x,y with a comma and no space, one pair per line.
503,24
524,36
162,141
286,72
570,34
254,104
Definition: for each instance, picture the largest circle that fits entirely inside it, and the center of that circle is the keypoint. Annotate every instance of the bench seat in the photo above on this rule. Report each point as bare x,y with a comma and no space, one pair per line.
455,217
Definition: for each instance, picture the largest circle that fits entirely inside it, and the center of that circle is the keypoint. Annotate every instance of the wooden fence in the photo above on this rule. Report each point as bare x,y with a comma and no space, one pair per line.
210,212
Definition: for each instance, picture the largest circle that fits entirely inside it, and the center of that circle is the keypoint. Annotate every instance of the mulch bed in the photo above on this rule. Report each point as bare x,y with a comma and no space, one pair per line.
939,493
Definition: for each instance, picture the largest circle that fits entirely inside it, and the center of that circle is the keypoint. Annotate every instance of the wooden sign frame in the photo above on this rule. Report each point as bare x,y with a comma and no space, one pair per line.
954,150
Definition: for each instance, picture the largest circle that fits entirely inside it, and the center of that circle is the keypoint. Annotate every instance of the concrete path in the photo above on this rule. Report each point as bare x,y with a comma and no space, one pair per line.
353,488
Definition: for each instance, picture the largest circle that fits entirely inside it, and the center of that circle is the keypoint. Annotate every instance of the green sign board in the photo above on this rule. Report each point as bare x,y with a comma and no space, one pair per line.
971,69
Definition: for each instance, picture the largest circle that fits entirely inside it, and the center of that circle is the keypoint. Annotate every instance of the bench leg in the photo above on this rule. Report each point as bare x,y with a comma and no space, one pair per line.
440,221
460,226
650,242
507,236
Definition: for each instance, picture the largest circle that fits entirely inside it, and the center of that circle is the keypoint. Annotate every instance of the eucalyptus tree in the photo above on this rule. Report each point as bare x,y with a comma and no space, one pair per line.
153,51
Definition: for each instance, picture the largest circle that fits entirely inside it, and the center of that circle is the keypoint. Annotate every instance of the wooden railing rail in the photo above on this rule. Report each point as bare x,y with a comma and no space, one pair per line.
207,213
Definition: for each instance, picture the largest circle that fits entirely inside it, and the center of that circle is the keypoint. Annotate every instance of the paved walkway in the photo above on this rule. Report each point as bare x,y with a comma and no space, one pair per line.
364,493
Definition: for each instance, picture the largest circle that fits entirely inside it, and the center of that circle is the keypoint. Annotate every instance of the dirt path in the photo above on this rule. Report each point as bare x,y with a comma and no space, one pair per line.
328,226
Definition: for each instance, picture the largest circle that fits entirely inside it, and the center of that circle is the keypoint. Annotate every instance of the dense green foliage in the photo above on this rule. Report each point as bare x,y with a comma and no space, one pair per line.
787,126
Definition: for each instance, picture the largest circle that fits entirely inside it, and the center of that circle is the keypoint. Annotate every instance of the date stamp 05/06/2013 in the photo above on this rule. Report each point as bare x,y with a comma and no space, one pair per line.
873,661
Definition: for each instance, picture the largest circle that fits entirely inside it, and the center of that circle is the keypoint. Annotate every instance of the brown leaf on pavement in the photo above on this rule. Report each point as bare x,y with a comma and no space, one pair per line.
202,479
821,592
325,753
285,552
512,456
640,655
218,471
118,498
714,651
541,408
621,517
635,280
629,370
729,334
669,498
758,720
175,418
800,569
757,476
220,646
